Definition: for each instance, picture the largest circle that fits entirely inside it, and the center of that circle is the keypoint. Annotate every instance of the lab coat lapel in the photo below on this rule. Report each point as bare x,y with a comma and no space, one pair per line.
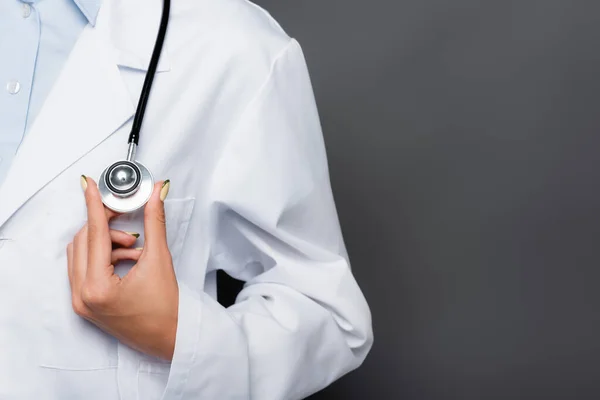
89,101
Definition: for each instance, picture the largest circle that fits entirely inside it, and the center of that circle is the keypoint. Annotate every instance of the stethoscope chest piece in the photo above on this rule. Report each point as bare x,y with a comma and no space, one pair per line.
125,186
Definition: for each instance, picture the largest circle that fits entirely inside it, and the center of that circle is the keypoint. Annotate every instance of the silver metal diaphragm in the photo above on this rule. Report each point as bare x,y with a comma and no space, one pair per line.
125,186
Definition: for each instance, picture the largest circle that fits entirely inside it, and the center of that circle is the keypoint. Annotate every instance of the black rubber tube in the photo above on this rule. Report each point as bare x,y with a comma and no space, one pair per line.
134,136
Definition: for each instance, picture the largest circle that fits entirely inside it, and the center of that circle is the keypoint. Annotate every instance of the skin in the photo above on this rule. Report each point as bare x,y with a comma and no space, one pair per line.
140,309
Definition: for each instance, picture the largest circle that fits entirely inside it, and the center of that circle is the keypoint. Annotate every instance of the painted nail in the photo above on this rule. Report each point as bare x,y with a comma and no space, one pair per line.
83,182
164,191
134,234
139,248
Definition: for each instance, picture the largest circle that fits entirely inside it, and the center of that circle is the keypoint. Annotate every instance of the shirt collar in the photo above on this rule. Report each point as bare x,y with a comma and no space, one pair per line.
89,8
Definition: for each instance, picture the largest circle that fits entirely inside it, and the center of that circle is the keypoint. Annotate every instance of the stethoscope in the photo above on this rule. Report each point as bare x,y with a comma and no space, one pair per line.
126,185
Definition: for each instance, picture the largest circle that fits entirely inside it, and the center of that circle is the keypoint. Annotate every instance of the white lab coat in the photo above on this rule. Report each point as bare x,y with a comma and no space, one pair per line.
232,122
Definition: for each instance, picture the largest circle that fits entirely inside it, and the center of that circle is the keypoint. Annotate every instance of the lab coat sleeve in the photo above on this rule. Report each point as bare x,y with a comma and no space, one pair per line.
301,320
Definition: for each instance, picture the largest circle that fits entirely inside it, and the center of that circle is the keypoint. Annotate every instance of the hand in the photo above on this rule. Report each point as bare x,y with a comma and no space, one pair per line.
141,308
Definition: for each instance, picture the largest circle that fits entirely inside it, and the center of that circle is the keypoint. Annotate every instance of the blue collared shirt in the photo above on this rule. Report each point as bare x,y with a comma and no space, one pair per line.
36,37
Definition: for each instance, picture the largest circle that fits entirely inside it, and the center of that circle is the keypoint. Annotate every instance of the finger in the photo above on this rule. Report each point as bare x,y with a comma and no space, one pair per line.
79,268
154,217
74,283
110,214
98,233
70,264
123,239
125,254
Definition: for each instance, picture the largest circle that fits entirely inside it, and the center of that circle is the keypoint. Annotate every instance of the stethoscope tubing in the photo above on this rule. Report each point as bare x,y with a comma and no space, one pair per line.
133,197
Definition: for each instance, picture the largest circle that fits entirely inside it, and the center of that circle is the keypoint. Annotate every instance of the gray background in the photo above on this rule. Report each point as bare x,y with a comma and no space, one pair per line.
463,139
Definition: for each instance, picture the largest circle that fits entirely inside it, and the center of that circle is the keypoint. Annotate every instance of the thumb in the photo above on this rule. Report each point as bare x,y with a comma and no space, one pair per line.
155,231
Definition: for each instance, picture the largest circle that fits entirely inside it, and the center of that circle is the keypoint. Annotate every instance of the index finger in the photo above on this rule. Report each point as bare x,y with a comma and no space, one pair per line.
99,242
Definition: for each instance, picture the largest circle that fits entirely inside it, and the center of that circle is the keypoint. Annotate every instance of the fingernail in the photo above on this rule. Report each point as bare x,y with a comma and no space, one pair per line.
134,234
139,248
165,190
83,181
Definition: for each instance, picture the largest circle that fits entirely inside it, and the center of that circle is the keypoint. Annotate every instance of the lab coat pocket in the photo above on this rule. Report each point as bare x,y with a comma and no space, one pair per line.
72,343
